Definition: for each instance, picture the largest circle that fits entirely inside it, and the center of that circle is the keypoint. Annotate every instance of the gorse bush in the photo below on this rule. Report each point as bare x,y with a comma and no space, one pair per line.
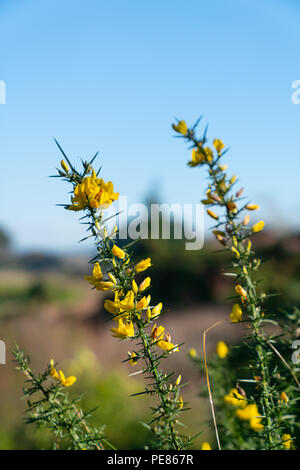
270,402
254,387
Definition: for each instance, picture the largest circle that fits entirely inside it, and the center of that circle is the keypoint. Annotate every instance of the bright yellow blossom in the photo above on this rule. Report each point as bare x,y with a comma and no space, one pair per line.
157,309
252,207
283,397
256,424
158,336
258,227
180,127
124,330
287,441
236,314
134,286
143,303
234,398
218,144
127,304
117,252
193,352
250,413
212,214
208,153
53,371
178,380
145,284
181,403
96,279
133,361
93,192
66,382
222,349
64,166
197,158
241,291
142,265
205,446
235,251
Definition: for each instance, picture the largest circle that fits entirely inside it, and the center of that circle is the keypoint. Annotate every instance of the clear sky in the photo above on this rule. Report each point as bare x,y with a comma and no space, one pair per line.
112,76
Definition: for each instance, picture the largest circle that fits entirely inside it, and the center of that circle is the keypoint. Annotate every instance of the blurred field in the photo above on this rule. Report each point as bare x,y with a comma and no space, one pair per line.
49,310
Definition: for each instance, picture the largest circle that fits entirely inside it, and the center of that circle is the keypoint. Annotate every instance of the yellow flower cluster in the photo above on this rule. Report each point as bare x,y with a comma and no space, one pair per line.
250,413
222,349
93,192
59,376
245,411
157,336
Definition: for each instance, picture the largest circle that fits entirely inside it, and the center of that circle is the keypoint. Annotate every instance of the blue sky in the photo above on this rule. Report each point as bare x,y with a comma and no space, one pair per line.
112,76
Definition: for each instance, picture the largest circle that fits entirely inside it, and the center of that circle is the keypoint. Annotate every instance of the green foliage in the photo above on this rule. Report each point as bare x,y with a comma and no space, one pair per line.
49,406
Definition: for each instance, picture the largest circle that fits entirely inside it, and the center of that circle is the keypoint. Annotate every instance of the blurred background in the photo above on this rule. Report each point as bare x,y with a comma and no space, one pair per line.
113,76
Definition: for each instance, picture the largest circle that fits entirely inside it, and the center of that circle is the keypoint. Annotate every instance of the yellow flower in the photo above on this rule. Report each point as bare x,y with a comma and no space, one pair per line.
157,309
66,382
145,284
180,127
64,166
241,291
258,227
143,303
235,251
252,207
93,192
212,214
134,286
193,352
180,405
124,330
178,380
53,371
127,304
132,360
250,413
110,306
97,274
234,398
233,179
197,158
255,424
117,252
283,397
236,314
222,349
218,144
205,446
142,265
96,281
158,336
287,441
208,153
112,278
